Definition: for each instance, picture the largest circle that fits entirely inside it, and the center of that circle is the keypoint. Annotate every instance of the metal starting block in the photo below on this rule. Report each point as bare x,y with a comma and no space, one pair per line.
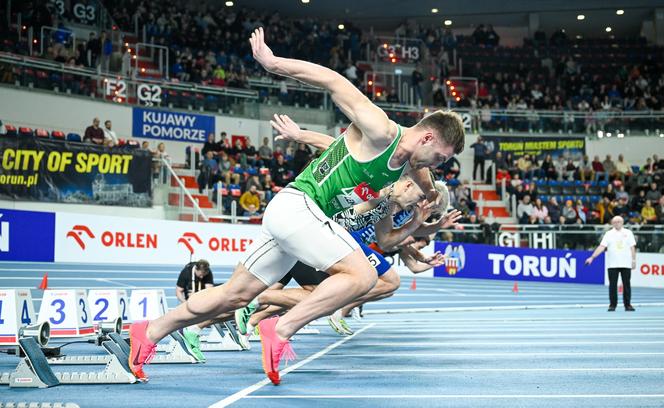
38,405
34,370
224,337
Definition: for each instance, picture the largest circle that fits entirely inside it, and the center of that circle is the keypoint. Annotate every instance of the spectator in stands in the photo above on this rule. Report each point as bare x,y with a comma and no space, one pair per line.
499,161
106,51
610,192
145,145
301,157
598,168
609,167
623,169
225,168
585,171
268,187
621,208
265,153
210,145
581,212
548,169
491,37
554,209
638,201
94,134
479,157
464,207
110,138
209,172
568,214
653,194
449,169
561,167
250,198
93,51
416,79
540,212
621,193
605,209
251,211
250,153
659,211
648,213
570,170
524,210
280,172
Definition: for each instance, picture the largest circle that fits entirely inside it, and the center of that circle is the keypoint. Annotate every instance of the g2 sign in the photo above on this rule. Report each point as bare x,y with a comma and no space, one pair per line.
149,94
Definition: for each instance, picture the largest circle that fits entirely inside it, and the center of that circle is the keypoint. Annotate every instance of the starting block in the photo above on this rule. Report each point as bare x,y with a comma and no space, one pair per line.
147,304
175,352
34,370
223,337
67,312
108,305
16,312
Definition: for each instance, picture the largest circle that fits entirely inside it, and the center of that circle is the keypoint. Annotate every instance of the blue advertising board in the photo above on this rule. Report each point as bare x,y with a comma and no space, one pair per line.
171,126
27,236
525,264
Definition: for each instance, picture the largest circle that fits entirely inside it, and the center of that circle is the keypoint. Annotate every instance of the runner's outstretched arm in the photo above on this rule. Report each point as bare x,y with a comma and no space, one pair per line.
369,118
289,130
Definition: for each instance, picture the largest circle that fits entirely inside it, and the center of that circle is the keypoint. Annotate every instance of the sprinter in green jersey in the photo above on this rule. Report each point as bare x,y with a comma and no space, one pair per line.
373,152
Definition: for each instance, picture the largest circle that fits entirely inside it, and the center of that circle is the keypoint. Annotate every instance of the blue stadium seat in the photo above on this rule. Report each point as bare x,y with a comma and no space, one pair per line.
578,183
74,137
544,198
603,184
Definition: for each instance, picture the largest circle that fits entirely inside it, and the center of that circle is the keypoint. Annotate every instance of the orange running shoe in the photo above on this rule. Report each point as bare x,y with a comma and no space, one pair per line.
273,349
141,349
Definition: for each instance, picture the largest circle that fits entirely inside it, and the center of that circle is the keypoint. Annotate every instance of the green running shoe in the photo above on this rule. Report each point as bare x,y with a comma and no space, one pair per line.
242,317
347,330
193,341
336,325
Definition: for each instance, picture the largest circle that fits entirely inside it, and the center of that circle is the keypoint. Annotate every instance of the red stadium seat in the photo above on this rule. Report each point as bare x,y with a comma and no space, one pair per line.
11,130
41,133
25,131
56,134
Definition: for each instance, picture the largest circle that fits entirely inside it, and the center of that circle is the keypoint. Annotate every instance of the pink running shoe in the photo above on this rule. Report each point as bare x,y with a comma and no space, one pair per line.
273,349
141,349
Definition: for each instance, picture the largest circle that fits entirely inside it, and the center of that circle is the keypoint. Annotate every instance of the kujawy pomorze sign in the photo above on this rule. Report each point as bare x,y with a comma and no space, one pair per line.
49,170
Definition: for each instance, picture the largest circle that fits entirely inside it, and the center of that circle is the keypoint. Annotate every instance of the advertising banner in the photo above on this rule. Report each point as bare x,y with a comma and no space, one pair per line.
26,236
524,264
49,170
649,271
119,240
569,147
171,126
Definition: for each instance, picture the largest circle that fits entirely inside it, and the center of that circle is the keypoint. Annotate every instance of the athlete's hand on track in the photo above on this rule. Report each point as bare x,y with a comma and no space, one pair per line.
262,53
288,130
451,219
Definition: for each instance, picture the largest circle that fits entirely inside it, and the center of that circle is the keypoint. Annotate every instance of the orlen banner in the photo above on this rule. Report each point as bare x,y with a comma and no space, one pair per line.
117,240
525,264
649,271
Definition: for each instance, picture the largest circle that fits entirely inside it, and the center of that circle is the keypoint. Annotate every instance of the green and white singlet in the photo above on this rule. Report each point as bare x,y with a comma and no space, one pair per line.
336,180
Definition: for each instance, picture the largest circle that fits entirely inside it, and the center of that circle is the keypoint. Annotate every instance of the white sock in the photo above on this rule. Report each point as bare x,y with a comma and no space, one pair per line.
194,329
250,329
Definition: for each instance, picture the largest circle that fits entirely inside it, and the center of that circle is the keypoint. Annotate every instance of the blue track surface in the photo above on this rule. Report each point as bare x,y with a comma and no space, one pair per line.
550,345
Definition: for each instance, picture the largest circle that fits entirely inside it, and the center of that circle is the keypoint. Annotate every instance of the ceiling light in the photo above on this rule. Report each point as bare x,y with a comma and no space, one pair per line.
305,1
600,134
620,12
607,29
341,26
229,4
448,22
434,10
578,37
580,17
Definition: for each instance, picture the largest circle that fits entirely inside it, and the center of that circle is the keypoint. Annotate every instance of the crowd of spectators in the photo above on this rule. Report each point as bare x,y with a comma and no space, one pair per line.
248,175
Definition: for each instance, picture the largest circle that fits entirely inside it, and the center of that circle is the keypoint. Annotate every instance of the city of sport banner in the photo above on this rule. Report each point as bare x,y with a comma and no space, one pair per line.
539,146
49,170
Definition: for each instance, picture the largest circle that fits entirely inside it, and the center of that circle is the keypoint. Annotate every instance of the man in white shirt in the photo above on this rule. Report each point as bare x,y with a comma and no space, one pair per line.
110,138
620,247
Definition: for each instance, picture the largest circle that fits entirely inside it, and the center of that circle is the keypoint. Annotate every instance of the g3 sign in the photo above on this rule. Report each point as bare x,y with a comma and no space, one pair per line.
401,52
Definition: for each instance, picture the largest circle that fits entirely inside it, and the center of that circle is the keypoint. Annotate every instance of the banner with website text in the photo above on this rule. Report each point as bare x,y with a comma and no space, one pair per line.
49,170
539,146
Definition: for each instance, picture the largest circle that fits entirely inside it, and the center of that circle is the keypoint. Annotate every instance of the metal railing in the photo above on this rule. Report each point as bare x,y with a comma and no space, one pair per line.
649,238
184,192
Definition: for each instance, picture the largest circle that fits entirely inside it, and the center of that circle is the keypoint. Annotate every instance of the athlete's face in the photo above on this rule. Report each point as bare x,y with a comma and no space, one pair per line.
408,194
430,152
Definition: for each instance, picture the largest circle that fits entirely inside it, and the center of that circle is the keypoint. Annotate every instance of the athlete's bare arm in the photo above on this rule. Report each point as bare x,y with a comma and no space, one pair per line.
448,220
289,130
417,262
370,119
388,237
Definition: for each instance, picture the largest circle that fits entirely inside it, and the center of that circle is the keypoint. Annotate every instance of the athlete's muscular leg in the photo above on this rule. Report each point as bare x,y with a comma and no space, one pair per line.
350,278
240,289
385,287
272,309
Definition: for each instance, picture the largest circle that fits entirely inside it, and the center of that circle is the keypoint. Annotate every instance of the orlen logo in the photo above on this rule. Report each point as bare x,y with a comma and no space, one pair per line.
117,239
77,233
191,240
455,259
186,239
4,236
654,269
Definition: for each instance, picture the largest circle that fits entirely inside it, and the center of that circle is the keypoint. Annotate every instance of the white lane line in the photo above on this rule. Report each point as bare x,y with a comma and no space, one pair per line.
245,392
481,370
459,396
113,282
492,308
500,355
494,343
